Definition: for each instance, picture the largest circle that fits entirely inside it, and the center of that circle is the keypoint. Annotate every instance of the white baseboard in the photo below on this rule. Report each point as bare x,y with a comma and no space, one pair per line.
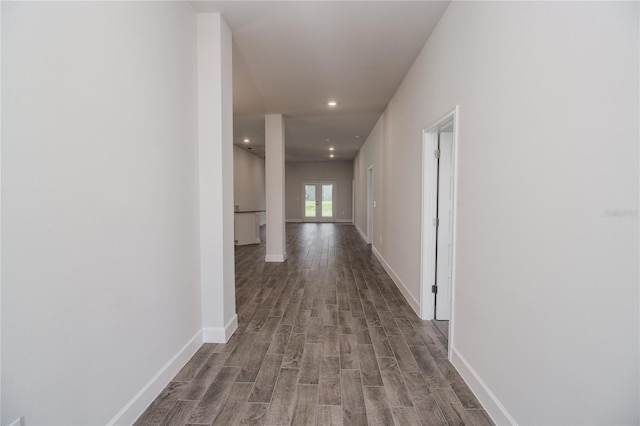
489,401
415,305
275,258
364,237
344,220
293,220
219,334
136,406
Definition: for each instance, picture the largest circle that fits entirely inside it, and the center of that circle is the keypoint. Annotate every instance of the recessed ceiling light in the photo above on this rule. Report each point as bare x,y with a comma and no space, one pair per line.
332,103
357,136
331,156
246,140
331,148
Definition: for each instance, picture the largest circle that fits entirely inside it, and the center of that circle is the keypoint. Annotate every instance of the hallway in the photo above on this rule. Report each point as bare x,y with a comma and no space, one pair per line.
325,338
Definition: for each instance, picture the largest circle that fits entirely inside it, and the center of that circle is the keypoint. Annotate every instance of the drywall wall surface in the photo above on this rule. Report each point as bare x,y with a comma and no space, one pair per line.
546,275
340,172
248,181
100,260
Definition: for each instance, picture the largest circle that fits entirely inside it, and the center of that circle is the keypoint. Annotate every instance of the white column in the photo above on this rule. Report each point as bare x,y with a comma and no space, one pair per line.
274,171
215,136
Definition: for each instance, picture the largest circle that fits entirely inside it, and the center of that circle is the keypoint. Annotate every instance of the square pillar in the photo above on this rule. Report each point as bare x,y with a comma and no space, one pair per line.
274,170
215,139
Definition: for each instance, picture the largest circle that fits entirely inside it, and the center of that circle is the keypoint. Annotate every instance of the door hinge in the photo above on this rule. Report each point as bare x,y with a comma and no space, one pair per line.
434,289
436,221
436,153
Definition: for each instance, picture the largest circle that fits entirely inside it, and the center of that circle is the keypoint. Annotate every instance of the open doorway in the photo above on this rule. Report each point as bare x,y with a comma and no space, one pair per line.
438,224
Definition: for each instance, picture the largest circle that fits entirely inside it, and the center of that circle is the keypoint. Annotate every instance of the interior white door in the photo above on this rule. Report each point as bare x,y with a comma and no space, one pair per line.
444,243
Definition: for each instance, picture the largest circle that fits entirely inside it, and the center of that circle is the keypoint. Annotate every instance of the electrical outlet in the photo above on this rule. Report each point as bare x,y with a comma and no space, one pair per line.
374,204
380,239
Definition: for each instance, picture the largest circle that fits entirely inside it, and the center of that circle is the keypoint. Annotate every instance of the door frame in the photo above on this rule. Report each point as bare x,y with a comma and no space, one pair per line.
370,204
429,212
333,205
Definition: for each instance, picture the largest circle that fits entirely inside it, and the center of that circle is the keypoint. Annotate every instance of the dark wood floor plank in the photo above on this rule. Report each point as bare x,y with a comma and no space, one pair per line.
353,406
430,371
266,379
232,409
464,394
311,362
330,341
293,354
254,362
429,412
191,368
282,401
179,414
361,330
211,403
380,342
369,366
430,340
329,415
306,407
348,352
315,330
199,385
269,330
480,418
280,339
161,406
389,323
254,415
378,410
405,358
452,410
416,384
239,355
397,392
405,416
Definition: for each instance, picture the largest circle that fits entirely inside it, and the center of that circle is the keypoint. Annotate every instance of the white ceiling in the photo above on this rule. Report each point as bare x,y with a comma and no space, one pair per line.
292,57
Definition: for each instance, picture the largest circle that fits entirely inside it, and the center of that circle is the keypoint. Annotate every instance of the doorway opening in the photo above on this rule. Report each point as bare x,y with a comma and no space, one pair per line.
438,223
370,205
318,202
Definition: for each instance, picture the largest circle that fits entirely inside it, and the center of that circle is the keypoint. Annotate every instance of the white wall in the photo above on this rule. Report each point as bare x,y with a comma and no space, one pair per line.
340,172
546,302
100,269
248,181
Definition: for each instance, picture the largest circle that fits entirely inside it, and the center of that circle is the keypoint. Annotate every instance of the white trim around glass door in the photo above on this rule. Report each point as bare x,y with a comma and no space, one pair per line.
318,201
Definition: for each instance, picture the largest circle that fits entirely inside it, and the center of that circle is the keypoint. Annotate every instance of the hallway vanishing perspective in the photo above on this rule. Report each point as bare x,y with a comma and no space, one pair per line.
324,338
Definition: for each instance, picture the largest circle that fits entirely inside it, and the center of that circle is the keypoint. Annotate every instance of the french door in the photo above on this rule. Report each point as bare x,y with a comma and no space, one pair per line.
319,201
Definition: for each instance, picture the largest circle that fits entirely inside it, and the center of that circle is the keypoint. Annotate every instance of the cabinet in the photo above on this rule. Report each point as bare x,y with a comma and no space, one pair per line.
247,228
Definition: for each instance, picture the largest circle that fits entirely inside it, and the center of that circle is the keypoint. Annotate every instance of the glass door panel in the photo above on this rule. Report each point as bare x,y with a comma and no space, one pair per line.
310,201
327,200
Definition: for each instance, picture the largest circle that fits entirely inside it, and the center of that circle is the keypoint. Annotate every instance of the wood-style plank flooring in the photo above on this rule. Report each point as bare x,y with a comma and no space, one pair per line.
325,338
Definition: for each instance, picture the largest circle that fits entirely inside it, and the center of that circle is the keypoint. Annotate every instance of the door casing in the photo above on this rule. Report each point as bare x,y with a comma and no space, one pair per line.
429,212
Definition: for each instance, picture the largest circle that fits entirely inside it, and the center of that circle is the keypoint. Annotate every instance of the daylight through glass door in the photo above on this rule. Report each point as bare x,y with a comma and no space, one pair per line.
318,202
